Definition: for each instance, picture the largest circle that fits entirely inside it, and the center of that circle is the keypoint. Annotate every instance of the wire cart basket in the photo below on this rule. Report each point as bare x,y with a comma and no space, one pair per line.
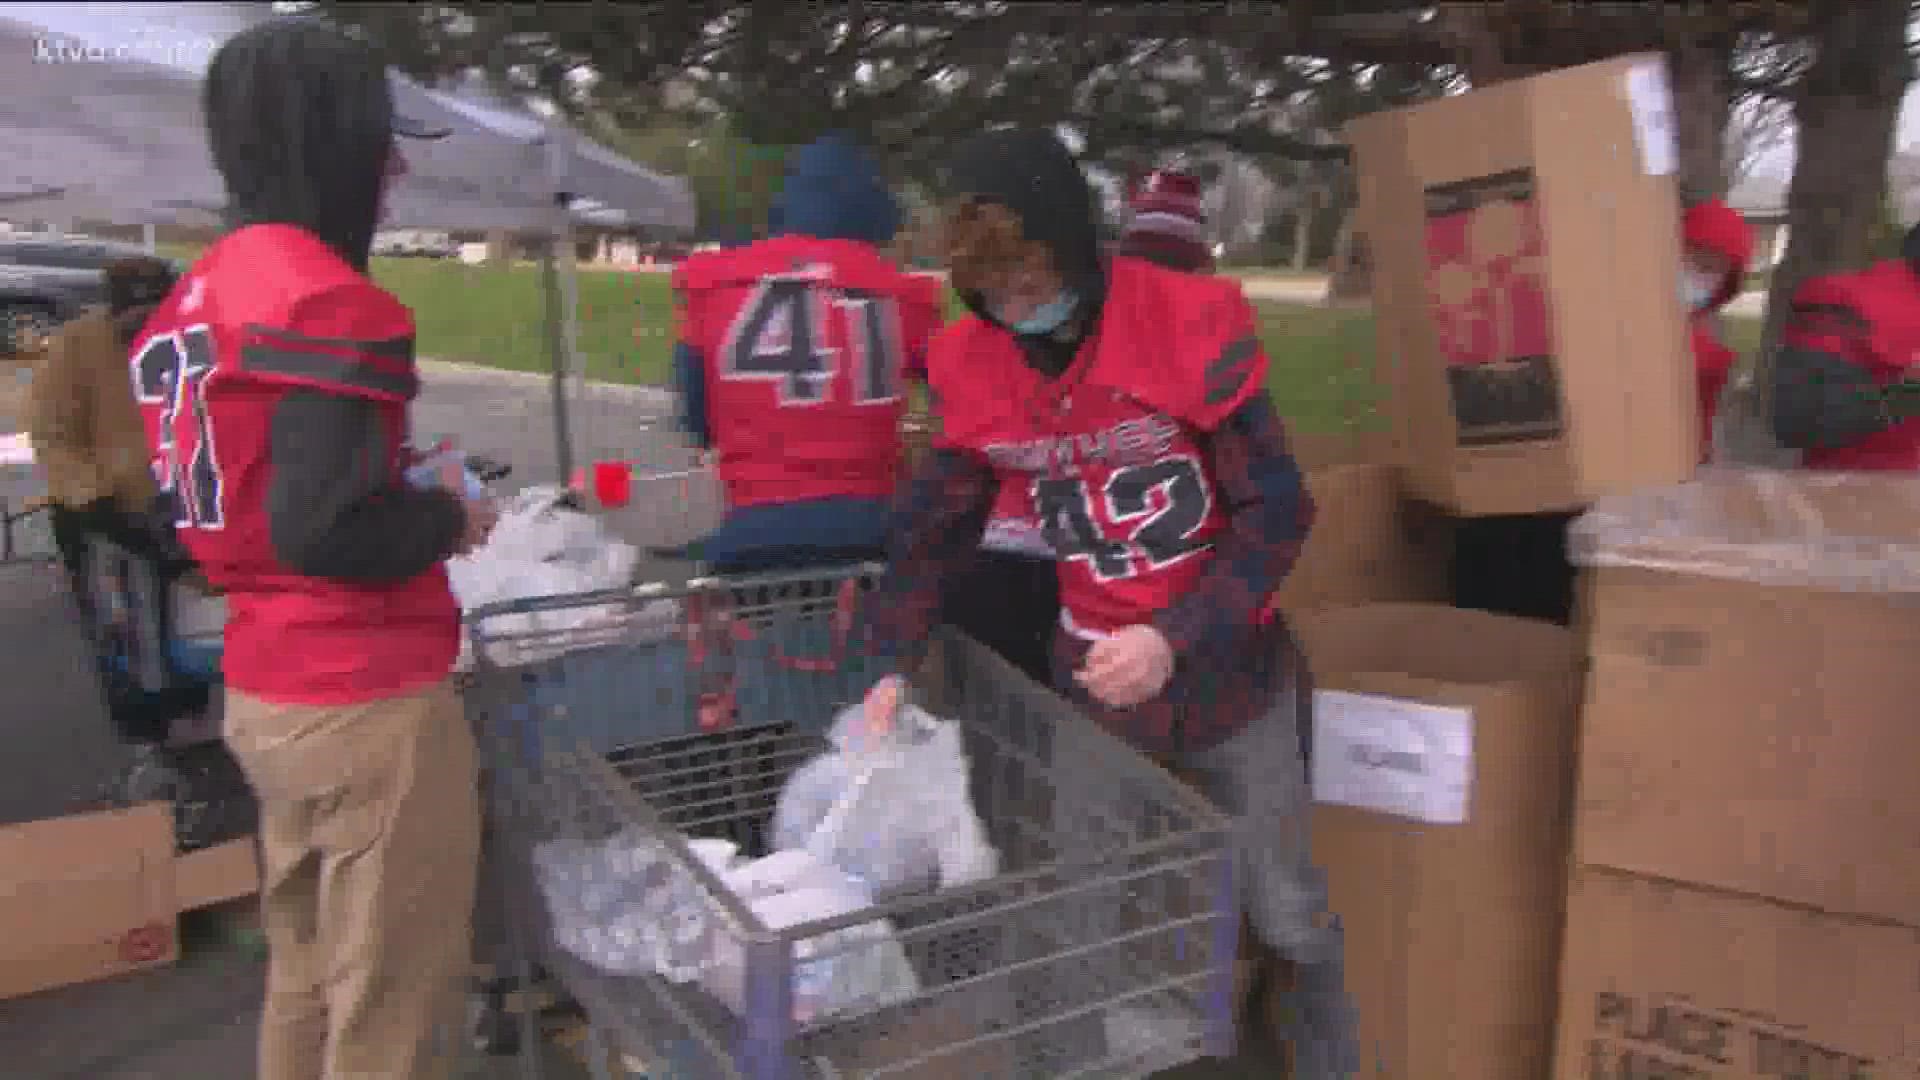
1104,947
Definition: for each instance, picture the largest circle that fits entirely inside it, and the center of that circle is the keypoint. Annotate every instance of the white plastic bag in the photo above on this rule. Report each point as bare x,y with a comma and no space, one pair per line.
895,814
858,968
625,907
541,548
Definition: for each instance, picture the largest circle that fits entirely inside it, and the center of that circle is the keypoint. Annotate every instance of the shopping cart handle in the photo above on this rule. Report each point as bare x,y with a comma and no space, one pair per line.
529,604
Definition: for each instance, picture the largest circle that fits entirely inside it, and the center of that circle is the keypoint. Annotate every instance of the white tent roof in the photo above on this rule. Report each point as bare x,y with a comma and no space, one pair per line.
106,100
612,186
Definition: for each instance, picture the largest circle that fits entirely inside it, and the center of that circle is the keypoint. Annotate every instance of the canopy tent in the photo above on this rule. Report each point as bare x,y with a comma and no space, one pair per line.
611,187
108,98
104,101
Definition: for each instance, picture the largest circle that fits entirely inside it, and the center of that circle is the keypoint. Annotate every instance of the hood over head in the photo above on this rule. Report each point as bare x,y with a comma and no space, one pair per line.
1034,176
834,191
135,286
301,122
1712,225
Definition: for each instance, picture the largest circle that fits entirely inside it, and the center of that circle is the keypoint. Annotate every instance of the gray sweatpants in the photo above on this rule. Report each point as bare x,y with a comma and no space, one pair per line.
1258,778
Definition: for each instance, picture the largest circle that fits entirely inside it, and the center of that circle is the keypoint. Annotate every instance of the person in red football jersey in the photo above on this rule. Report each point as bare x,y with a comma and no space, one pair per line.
1129,402
1008,598
1844,391
275,380
791,361
1718,247
1166,224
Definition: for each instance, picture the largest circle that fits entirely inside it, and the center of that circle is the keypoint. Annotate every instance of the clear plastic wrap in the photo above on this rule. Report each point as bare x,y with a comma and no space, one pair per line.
1856,532
895,813
626,907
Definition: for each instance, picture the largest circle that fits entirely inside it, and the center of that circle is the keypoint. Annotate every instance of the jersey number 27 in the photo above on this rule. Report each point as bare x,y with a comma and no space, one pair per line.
782,336
171,372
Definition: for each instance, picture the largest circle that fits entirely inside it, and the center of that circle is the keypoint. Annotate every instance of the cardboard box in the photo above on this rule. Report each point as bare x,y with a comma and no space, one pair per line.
1526,240
1755,663
94,895
1370,544
1676,983
1443,766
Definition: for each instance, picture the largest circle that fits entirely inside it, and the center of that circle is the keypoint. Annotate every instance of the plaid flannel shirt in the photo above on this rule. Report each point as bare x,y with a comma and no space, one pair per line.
1232,649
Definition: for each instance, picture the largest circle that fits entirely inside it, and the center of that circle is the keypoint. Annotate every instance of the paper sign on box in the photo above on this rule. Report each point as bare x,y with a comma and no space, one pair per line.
1650,96
1392,756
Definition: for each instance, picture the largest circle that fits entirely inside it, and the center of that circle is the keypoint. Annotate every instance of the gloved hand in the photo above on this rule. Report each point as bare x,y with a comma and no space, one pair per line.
1127,667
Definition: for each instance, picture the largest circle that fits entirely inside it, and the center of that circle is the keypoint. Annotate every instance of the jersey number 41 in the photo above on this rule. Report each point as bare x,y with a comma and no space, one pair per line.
783,335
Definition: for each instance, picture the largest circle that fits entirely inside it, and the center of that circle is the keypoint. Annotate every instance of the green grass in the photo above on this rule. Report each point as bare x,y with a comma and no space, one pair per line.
1322,374
494,315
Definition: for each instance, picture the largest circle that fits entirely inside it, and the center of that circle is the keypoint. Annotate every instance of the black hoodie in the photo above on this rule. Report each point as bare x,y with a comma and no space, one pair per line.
301,122
1031,173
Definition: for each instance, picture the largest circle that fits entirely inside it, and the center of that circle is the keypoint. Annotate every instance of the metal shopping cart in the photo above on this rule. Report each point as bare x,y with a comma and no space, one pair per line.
1104,948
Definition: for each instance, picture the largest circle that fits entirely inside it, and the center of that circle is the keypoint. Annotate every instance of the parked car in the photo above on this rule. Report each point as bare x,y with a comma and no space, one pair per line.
69,252
415,243
35,300
47,279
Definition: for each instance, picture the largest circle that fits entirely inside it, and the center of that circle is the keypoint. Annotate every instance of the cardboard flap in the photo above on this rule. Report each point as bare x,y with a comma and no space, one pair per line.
84,896
113,868
1840,531
1442,645
1519,680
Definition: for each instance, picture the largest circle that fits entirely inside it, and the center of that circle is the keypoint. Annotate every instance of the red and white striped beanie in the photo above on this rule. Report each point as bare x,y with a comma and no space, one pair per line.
1167,225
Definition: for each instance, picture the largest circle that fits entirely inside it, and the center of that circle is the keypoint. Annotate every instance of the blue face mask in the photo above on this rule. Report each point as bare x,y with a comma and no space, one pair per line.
1048,317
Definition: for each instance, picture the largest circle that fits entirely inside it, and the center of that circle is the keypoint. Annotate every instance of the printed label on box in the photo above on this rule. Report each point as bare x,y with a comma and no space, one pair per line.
1393,756
1660,1036
1650,99
1487,297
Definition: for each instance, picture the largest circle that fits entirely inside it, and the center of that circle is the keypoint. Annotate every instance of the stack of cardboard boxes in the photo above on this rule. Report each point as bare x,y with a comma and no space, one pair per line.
1745,897
1672,839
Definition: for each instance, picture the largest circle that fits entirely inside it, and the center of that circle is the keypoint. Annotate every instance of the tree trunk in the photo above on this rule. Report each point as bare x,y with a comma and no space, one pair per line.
1303,232
1845,110
1698,72
1352,281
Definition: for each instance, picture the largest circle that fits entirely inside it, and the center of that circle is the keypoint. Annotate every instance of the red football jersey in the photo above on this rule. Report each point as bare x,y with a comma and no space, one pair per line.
1871,318
807,345
267,310
1111,452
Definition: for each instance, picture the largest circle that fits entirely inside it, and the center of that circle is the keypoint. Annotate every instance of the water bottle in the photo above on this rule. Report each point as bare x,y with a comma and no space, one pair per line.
816,979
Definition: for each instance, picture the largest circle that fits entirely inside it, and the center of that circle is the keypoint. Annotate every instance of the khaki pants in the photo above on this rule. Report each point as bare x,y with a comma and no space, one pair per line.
370,845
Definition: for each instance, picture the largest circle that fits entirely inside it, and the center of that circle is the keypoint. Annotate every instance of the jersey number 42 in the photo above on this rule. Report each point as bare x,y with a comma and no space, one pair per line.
783,335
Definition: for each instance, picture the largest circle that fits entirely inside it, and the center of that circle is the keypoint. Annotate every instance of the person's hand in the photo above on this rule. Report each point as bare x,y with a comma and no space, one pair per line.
1127,667
452,473
881,703
481,516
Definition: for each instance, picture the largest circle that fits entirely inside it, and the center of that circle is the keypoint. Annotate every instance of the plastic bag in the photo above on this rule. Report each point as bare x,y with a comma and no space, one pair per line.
1837,531
857,968
624,906
894,813
541,548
